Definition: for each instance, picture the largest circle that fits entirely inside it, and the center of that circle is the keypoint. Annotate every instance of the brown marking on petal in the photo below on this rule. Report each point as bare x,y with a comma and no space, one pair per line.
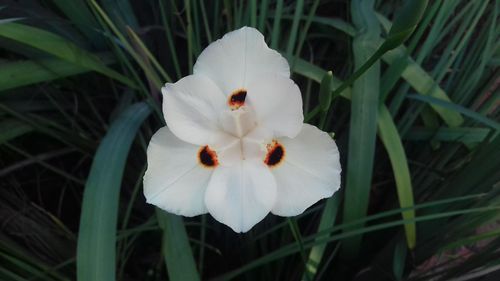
275,154
237,99
207,157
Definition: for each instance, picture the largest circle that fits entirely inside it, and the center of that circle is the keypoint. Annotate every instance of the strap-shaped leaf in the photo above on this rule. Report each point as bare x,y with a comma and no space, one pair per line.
97,235
60,47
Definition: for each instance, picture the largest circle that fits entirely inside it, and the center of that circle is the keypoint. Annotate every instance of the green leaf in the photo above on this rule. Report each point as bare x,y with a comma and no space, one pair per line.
327,221
80,15
97,236
121,11
316,73
299,6
312,240
391,135
363,132
4,21
423,83
392,142
458,108
405,23
12,128
325,92
176,250
413,73
59,47
23,73
275,36
399,259
461,134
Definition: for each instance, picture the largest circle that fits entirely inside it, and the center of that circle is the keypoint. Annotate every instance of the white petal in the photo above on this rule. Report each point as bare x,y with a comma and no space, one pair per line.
237,58
174,180
254,144
191,108
238,122
277,104
310,171
228,150
242,195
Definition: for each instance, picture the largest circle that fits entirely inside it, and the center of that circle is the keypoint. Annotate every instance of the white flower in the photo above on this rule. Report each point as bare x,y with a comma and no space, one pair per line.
236,146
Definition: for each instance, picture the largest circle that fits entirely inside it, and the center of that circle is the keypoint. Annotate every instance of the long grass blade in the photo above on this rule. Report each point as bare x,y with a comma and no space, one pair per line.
176,250
363,122
392,142
58,46
327,220
98,223
23,73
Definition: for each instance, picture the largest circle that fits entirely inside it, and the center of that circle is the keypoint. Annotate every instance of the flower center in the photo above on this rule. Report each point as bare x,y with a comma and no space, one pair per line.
237,99
207,157
238,122
275,154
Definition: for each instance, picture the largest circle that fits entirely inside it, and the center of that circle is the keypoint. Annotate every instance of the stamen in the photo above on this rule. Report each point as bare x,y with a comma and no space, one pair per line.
207,157
237,99
275,154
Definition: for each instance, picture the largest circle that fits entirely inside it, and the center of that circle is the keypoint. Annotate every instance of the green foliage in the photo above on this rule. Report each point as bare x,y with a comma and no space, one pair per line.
412,102
363,125
392,141
97,236
405,23
325,92
57,46
176,249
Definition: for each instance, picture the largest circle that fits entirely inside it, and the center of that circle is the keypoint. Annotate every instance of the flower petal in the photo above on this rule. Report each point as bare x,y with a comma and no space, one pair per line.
191,108
238,122
310,171
277,104
237,58
241,195
174,180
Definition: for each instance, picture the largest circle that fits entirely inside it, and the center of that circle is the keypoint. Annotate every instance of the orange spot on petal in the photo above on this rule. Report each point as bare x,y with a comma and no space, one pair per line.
207,157
237,99
275,154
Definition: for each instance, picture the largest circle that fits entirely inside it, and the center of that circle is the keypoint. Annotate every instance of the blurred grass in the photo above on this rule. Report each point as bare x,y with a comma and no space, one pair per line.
429,181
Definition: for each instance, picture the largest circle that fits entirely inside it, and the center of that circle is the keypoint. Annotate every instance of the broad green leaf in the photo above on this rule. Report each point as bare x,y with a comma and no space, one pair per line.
176,250
314,72
97,235
23,73
59,47
363,124
392,142
405,23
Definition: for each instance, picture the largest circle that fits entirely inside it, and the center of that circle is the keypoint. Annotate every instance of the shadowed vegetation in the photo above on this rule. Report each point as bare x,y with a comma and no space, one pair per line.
409,92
